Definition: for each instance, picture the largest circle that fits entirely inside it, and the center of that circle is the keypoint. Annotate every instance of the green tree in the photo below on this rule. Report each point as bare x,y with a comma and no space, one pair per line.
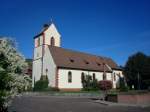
137,71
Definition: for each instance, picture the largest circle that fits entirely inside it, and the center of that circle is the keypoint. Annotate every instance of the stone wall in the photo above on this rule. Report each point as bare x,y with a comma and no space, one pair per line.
130,98
134,99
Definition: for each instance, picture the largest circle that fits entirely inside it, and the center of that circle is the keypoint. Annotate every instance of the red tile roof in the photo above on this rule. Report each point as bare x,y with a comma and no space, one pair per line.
66,58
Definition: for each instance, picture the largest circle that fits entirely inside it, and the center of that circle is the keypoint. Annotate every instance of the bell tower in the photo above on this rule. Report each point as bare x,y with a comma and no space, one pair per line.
49,36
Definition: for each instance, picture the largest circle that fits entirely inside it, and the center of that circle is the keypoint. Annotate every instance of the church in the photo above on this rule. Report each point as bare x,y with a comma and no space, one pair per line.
65,67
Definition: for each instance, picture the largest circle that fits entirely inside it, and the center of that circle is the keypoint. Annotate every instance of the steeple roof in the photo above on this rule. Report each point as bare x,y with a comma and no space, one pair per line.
45,27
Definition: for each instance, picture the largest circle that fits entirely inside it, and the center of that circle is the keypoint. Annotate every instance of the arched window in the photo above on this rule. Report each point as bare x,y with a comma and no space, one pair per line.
52,41
93,76
114,77
104,76
69,77
46,70
82,77
38,43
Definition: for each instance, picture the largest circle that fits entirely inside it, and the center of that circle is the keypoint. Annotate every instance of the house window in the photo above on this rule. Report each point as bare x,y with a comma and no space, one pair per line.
69,77
52,41
93,76
46,70
38,41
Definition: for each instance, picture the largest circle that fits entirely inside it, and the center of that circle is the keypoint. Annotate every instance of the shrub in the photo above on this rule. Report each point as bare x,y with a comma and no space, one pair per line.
89,84
42,84
54,89
51,89
123,87
95,85
105,85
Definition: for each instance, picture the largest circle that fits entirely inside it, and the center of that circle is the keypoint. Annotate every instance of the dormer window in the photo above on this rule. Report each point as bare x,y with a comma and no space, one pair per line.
71,60
86,62
98,64
52,41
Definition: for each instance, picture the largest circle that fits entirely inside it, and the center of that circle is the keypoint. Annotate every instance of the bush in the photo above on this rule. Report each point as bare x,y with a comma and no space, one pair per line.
123,87
89,84
42,84
105,85
95,85
52,89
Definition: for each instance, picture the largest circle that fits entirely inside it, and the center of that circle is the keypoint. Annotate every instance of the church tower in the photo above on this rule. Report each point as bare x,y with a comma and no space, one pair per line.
49,36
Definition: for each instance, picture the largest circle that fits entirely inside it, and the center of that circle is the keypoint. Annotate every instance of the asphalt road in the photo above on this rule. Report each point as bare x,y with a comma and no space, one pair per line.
65,104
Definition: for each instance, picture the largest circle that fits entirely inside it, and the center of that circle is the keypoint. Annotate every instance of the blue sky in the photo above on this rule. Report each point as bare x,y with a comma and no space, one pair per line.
112,28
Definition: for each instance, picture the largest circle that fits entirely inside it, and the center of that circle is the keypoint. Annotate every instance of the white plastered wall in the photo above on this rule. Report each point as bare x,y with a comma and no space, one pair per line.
49,64
37,52
36,75
76,77
37,61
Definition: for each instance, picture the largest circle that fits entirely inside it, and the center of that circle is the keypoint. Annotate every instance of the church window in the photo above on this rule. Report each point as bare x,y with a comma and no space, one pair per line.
38,42
114,77
69,77
46,70
119,75
52,41
82,77
94,76
104,76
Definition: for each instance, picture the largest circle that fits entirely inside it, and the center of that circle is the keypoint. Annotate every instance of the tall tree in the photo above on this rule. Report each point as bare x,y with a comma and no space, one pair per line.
137,71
